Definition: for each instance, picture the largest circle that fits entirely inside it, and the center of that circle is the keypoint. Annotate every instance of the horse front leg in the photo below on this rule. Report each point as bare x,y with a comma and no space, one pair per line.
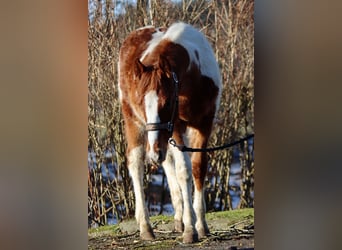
175,191
199,162
136,169
136,158
184,179
199,166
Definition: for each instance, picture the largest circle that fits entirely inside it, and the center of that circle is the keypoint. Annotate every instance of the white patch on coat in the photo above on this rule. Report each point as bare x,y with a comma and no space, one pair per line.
183,172
199,207
175,190
193,41
156,38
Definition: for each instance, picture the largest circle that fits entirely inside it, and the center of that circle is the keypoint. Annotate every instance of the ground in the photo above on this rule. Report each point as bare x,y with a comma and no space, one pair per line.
229,230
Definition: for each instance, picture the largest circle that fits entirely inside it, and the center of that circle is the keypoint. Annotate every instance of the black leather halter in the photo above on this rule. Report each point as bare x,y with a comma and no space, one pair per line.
167,125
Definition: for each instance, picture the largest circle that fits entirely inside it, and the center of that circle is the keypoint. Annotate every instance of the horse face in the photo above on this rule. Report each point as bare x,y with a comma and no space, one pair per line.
159,101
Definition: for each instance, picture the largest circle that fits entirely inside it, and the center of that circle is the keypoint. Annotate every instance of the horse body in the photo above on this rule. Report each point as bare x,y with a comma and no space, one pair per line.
150,59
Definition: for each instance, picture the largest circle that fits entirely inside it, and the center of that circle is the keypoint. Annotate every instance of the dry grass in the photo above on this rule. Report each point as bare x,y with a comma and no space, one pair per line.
229,26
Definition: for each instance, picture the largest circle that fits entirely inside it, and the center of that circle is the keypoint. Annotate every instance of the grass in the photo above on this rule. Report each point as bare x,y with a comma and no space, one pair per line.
162,218
104,229
232,216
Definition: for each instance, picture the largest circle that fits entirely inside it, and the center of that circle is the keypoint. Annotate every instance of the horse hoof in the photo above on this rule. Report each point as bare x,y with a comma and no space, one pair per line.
190,237
202,233
179,226
147,235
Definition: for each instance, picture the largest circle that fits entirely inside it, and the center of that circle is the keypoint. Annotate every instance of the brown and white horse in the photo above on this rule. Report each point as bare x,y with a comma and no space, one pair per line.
169,86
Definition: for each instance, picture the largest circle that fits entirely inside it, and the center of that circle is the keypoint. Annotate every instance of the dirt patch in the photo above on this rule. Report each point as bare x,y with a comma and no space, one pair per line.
236,234
173,241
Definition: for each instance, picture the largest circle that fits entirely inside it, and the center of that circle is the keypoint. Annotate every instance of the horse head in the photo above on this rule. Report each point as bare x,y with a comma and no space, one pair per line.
159,90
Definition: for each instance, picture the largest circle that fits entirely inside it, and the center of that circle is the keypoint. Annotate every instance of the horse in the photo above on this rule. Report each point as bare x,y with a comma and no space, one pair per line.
169,87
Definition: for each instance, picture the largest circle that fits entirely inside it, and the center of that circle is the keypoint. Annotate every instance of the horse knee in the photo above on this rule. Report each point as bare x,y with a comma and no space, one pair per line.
183,175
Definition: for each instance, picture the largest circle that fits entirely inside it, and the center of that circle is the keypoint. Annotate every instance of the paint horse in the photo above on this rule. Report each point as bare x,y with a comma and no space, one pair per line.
169,86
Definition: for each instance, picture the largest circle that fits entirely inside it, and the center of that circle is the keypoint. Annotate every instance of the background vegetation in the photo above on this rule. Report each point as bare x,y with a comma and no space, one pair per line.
229,26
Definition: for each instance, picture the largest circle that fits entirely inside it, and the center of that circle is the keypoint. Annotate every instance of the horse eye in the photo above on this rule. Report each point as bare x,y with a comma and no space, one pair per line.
149,68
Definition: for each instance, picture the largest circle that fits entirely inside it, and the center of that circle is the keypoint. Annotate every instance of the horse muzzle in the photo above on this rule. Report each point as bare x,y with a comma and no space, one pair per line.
156,157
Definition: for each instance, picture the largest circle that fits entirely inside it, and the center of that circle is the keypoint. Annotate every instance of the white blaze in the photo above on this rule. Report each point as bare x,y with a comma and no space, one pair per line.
151,109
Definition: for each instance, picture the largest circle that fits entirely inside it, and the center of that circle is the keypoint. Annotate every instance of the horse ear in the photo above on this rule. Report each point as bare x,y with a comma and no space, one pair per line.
164,64
139,68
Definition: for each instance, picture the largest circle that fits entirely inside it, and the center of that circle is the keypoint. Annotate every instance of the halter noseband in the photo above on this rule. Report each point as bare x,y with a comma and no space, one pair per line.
167,125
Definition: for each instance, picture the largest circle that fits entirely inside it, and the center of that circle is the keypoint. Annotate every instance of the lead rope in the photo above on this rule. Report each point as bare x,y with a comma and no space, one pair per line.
184,148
